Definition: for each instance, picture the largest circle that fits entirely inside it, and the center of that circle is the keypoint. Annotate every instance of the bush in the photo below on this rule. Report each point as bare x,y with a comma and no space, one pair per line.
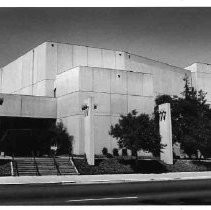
112,166
124,152
145,166
122,166
187,166
102,166
83,167
5,169
109,155
104,151
115,152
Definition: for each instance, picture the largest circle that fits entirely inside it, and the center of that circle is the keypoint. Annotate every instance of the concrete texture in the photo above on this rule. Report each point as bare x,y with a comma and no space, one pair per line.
165,126
67,82
43,88
27,69
94,57
109,178
27,106
80,56
118,81
64,57
108,59
89,126
201,77
68,105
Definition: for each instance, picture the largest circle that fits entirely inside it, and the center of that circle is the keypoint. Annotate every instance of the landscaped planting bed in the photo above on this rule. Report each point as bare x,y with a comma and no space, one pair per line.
5,168
125,165
189,166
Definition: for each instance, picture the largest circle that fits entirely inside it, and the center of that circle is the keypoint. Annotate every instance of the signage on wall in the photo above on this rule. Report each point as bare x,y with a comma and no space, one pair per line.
162,115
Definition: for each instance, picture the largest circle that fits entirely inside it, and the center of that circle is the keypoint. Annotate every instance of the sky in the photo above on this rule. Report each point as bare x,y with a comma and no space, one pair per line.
177,36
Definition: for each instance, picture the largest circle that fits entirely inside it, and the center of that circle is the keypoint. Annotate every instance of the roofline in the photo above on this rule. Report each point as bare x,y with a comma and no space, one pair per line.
119,51
23,54
96,48
198,63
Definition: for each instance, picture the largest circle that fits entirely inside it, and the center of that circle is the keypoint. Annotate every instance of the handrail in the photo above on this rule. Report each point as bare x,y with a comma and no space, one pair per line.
55,163
36,166
15,163
71,160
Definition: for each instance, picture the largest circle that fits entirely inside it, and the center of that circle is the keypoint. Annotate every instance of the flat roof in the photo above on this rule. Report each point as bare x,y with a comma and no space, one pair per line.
151,61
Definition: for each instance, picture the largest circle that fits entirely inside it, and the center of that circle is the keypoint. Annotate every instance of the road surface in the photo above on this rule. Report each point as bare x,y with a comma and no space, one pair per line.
174,192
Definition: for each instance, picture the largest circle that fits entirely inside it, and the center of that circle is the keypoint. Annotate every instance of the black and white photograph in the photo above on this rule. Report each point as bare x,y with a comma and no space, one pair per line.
105,106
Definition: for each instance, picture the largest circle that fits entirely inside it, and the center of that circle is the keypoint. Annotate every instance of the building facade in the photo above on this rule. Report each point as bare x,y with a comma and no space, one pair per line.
117,81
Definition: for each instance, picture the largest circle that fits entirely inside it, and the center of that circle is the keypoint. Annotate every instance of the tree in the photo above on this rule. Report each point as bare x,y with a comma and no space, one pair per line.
59,136
137,132
191,117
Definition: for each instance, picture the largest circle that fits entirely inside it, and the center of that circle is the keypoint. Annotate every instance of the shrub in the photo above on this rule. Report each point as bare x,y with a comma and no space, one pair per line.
112,166
186,166
115,152
5,169
102,166
83,167
124,152
191,117
109,155
105,151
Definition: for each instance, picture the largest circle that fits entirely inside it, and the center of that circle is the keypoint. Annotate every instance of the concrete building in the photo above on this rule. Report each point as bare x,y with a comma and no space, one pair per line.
56,79
201,77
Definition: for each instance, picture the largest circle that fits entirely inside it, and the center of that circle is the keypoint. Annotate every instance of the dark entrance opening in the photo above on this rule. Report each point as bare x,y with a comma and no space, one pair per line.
21,136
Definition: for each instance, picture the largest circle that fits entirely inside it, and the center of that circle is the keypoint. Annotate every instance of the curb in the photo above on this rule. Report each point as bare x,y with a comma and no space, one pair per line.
107,181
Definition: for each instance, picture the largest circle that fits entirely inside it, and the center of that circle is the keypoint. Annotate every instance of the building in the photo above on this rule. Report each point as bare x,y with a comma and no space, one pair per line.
54,80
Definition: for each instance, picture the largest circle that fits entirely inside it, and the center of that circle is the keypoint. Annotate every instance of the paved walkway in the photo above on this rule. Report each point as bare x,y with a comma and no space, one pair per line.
115,178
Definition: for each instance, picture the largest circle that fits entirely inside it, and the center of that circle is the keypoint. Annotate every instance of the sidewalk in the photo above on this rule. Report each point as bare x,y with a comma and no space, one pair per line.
114,178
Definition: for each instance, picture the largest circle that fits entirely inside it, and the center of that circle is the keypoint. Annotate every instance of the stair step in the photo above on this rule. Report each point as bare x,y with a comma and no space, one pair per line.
46,166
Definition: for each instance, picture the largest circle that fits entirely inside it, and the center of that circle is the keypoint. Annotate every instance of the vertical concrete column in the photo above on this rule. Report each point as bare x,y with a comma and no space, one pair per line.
89,131
11,166
166,133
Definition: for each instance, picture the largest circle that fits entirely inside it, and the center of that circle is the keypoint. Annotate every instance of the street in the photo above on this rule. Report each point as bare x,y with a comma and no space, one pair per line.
174,192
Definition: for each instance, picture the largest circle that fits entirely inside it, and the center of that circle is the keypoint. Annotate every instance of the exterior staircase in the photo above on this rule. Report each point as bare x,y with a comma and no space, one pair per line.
25,167
42,166
46,166
66,166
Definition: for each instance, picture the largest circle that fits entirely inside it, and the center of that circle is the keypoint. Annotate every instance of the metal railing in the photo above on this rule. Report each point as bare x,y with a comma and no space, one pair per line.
71,160
56,164
35,164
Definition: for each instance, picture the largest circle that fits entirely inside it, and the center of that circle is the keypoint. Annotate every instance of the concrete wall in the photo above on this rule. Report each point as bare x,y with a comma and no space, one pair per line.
114,91
201,78
70,56
118,81
33,73
167,79
67,82
27,106
113,94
